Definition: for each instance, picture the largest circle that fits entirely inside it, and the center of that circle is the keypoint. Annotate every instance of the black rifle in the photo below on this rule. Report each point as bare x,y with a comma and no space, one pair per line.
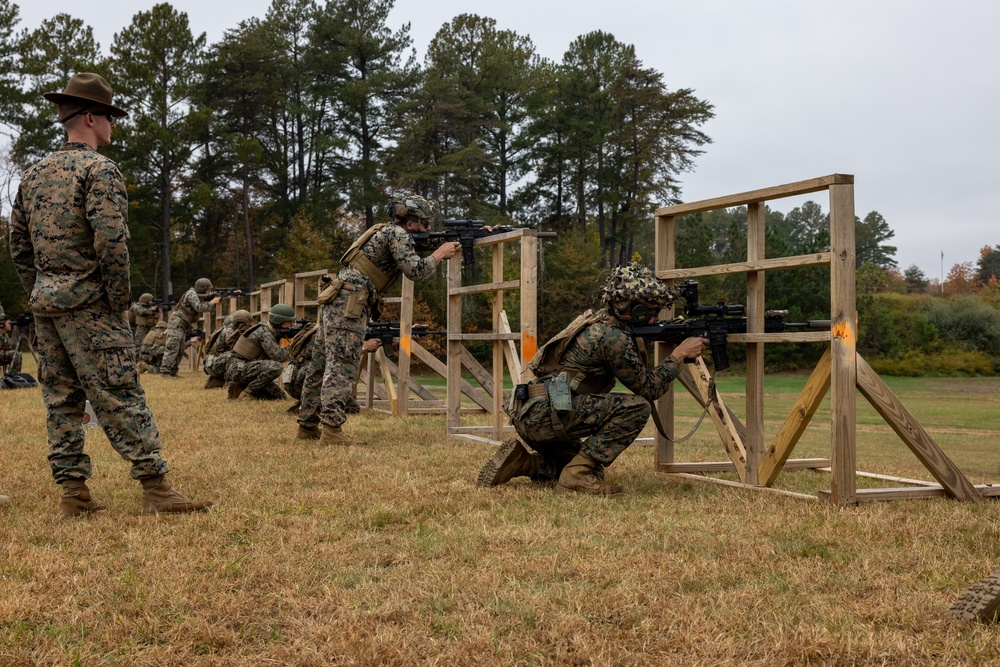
715,323
22,320
227,292
163,305
462,231
197,333
289,332
387,331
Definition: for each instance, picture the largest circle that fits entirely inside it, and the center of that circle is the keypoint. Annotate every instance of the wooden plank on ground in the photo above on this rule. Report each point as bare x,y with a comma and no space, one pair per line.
728,466
740,485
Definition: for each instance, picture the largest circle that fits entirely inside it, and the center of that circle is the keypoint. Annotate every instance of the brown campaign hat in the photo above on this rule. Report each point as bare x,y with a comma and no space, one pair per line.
87,87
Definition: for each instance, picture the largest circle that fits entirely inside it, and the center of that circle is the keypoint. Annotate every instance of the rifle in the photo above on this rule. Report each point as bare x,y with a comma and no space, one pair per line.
462,231
715,323
229,292
164,305
197,333
387,331
289,332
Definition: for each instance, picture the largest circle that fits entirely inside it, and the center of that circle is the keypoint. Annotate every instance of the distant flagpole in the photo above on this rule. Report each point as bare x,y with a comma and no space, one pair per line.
942,272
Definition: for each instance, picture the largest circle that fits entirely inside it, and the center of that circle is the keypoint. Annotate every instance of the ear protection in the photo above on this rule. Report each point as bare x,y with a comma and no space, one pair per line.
640,312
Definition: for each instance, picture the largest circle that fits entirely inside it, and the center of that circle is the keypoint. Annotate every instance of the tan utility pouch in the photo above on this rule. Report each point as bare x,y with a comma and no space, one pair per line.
330,292
145,320
356,303
247,349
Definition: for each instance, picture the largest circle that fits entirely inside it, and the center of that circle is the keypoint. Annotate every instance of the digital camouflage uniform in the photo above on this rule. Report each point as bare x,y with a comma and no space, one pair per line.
183,318
154,345
219,352
10,358
600,424
69,243
344,320
258,376
145,319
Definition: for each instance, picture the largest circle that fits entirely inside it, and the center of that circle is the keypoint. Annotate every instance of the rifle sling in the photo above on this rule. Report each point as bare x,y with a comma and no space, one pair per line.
663,431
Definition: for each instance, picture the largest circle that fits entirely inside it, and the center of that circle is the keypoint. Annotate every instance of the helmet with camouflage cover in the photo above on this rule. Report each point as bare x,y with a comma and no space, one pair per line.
146,299
402,206
281,313
203,287
162,324
241,319
635,285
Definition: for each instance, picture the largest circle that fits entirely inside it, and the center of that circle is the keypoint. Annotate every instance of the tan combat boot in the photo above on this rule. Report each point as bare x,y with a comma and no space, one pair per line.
214,383
307,433
157,496
511,460
235,390
581,474
332,435
76,499
980,602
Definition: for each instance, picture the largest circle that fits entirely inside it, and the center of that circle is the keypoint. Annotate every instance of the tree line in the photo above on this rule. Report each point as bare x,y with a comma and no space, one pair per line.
266,152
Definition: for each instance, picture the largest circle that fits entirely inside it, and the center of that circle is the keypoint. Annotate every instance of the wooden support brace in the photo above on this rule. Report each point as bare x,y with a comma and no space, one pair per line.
913,434
795,424
697,382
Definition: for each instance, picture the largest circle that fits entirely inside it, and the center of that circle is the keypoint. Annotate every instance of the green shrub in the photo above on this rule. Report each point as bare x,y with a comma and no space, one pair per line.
949,361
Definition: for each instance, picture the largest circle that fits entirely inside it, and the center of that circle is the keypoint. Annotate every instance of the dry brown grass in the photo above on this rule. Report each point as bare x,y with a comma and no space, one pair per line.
389,555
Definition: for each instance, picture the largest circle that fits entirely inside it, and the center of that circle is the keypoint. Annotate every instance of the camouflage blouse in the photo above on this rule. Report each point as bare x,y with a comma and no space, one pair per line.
606,348
69,232
389,248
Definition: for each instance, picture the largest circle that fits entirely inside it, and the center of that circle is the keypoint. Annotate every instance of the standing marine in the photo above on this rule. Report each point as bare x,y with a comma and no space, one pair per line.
370,267
69,243
10,358
183,319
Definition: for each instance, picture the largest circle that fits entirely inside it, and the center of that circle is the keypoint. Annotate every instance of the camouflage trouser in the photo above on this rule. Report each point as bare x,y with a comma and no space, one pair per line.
139,334
343,338
216,365
11,359
177,331
606,423
89,354
310,379
257,377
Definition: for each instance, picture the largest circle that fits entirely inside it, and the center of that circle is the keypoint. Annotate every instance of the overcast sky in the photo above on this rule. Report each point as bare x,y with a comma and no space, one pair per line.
903,94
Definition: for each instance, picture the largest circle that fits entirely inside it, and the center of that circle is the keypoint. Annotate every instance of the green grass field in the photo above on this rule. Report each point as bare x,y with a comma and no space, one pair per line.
387,554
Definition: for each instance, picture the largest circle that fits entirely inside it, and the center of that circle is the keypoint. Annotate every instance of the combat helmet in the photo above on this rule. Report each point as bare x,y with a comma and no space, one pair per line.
146,299
228,320
203,287
241,319
162,324
402,206
636,292
280,313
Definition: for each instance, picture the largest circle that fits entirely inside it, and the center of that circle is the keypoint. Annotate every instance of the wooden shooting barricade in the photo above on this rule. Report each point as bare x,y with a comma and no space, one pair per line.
396,398
841,368
491,397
